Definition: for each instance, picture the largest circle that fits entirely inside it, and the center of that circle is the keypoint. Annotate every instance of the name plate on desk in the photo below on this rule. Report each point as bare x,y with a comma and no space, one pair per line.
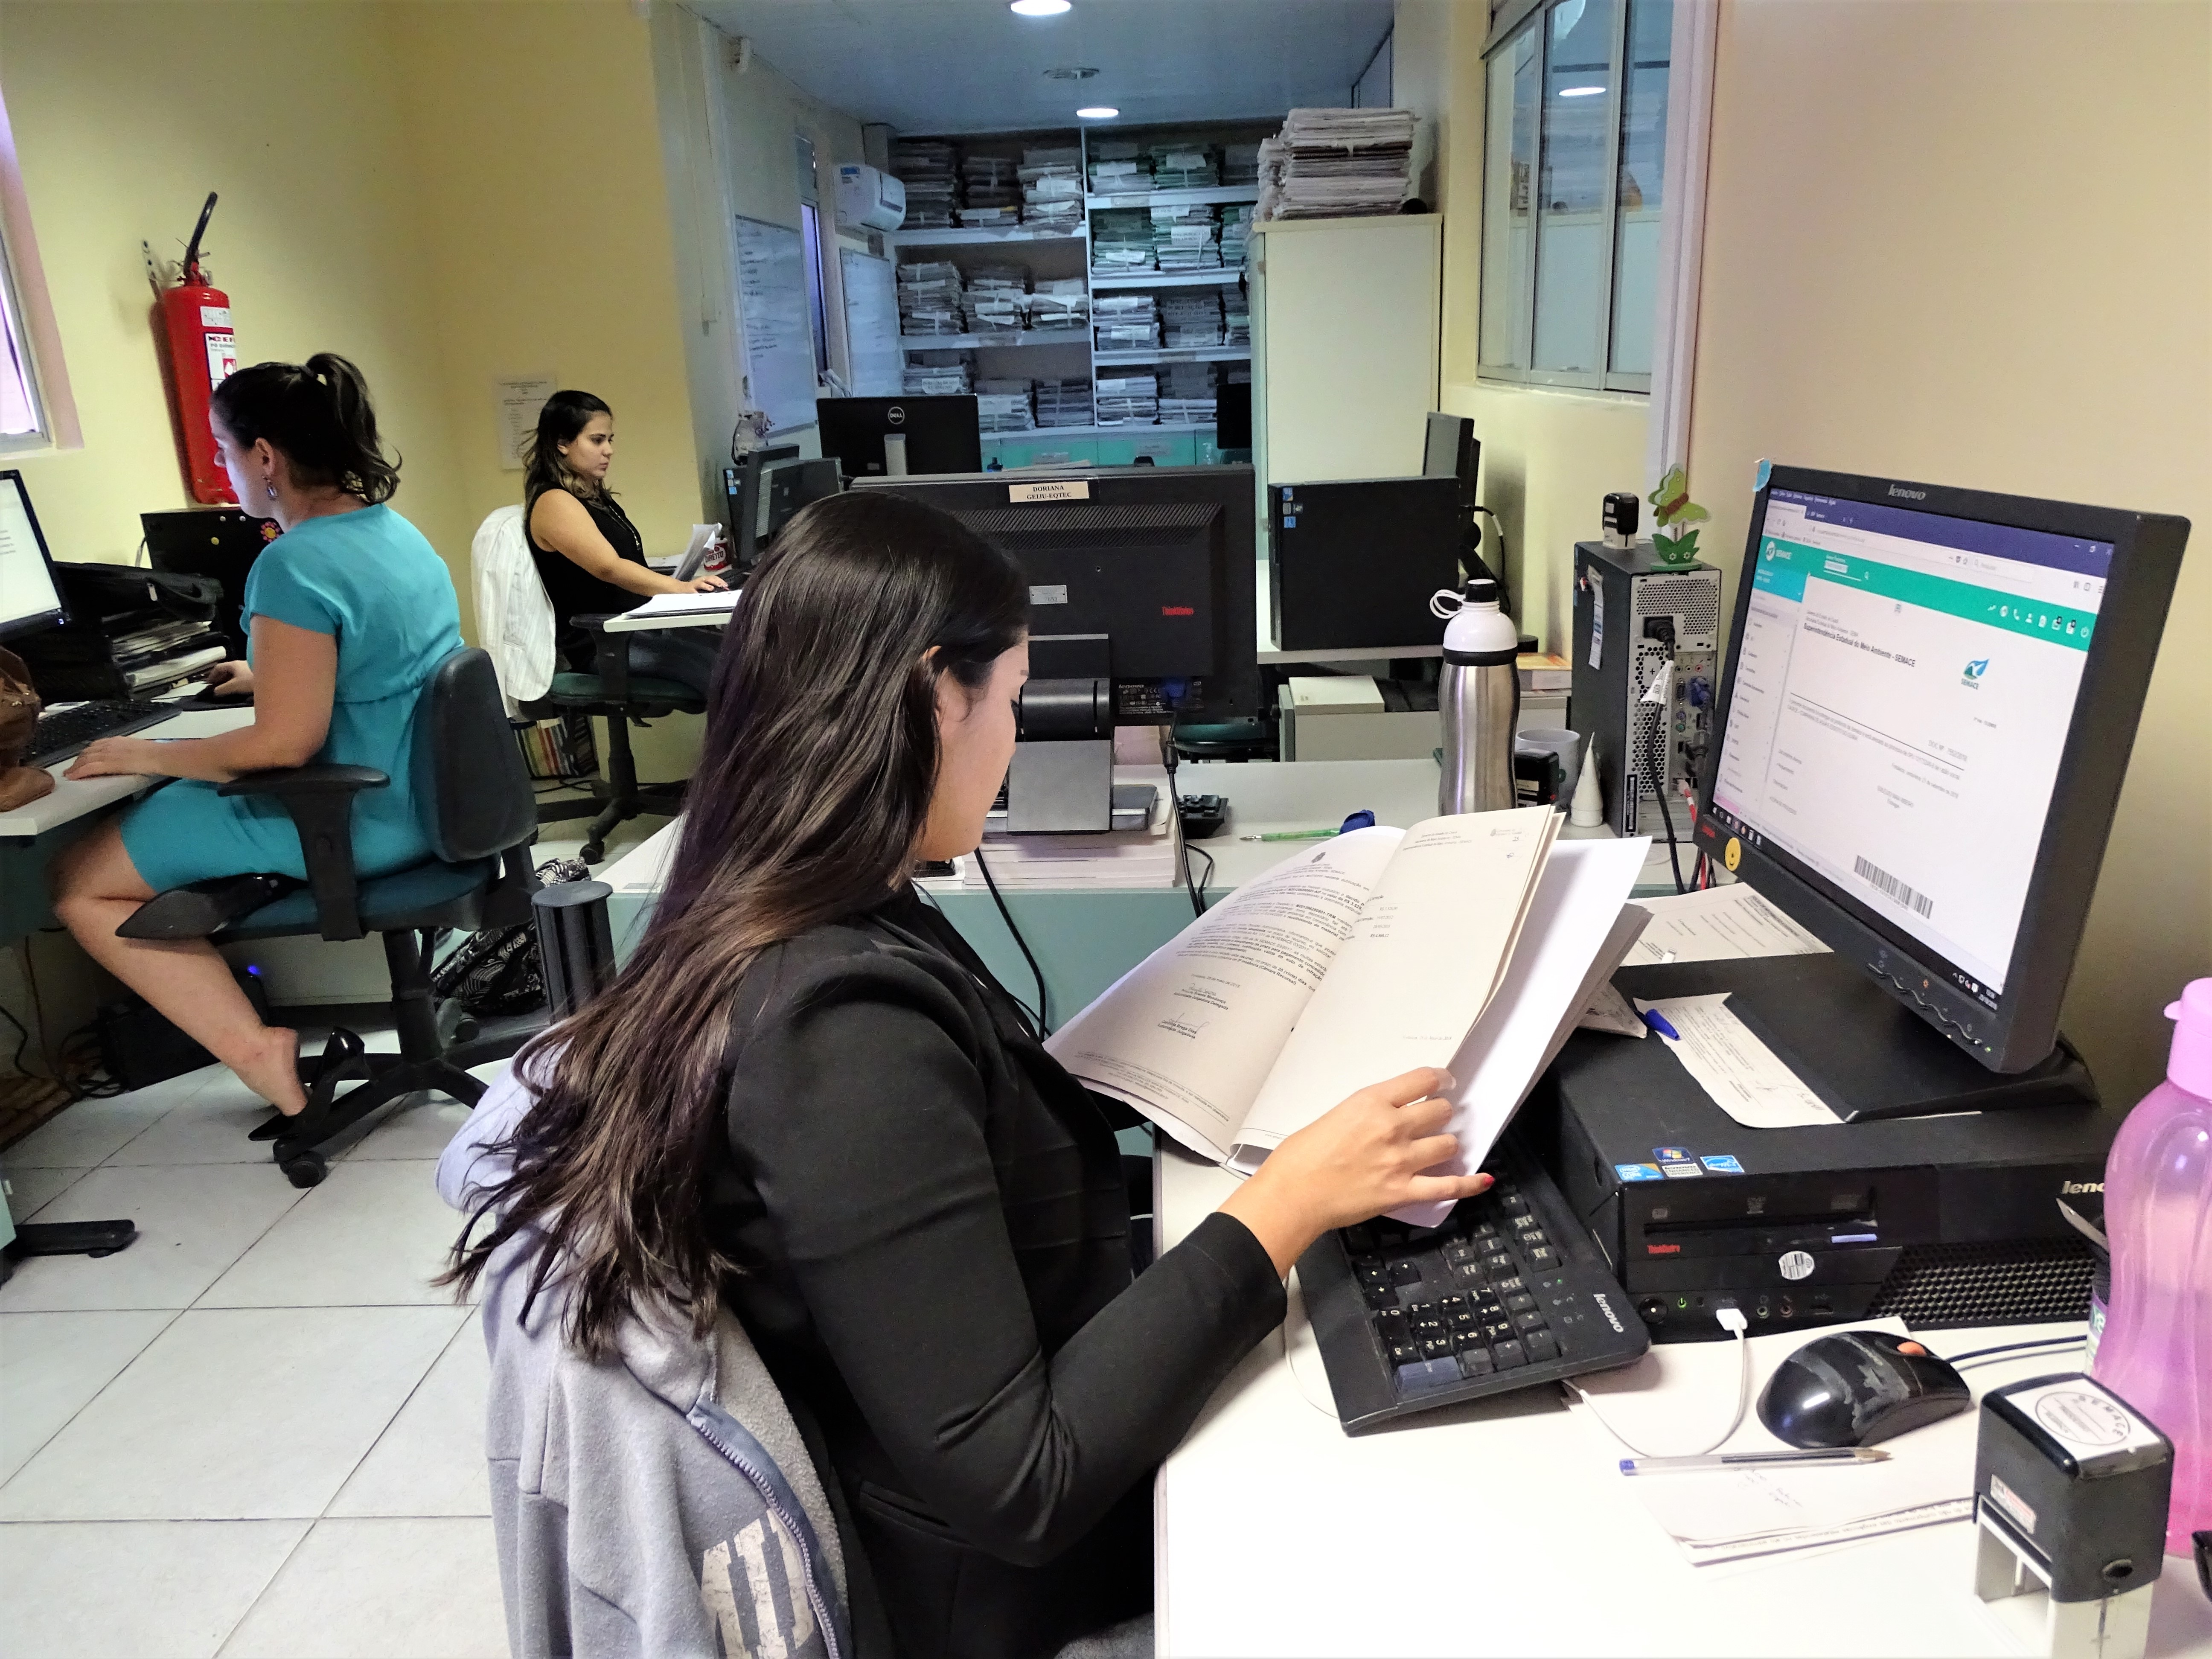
1052,489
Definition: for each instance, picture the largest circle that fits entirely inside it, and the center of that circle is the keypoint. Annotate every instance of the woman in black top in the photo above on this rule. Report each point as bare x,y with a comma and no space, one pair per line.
805,1098
589,555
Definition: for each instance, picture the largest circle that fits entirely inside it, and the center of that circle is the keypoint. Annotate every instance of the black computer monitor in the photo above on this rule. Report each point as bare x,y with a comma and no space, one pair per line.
1159,560
219,543
939,435
1926,713
765,490
1232,415
1450,451
29,598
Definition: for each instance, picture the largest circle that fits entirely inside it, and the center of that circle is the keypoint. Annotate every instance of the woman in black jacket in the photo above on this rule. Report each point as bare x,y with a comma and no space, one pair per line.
805,1097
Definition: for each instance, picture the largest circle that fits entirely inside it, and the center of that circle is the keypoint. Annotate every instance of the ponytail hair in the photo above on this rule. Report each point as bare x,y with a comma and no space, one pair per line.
318,416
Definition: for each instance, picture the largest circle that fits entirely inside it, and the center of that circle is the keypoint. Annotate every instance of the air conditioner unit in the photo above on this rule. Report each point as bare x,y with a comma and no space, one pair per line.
868,199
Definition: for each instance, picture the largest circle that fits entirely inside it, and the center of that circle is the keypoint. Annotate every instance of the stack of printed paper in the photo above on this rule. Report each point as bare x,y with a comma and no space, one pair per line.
1004,406
1335,163
1124,399
1051,189
1120,240
1125,322
930,299
1064,403
1061,302
926,166
1186,239
1190,317
1186,394
938,374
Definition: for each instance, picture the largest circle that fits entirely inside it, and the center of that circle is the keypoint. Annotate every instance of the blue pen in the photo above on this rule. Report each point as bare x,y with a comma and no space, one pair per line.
1658,1022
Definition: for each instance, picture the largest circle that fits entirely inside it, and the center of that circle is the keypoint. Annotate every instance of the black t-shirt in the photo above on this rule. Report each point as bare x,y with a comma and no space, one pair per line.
575,591
931,1227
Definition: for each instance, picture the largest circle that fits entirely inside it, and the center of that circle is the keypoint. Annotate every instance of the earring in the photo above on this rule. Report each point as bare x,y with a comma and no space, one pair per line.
272,491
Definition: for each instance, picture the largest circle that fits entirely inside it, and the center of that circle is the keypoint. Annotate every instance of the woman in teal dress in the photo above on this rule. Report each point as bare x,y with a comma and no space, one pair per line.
348,612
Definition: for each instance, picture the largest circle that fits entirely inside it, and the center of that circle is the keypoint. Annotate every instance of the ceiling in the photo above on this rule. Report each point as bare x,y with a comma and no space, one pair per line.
948,66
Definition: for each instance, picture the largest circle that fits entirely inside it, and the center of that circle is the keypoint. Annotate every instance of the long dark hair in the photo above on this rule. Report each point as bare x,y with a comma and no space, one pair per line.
318,416
821,755
566,414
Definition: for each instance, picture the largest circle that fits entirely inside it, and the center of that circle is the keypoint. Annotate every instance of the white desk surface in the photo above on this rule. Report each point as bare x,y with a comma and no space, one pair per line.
73,797
1493,1528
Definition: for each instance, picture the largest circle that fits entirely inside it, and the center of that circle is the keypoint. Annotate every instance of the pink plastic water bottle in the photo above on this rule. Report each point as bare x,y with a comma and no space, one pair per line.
2157,1348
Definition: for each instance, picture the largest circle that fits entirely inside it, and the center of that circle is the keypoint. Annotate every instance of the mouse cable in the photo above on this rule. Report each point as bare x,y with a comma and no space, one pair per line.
1731,1319
1044,1009
1988,1356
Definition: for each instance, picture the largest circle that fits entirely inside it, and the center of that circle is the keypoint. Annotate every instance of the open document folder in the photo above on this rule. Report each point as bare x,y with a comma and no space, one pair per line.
1472,942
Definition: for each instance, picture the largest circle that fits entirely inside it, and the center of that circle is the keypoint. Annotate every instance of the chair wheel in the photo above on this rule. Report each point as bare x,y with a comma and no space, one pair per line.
306,1169
593,853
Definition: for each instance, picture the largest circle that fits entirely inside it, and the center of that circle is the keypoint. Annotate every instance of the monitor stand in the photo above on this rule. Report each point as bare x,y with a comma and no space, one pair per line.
1854,1045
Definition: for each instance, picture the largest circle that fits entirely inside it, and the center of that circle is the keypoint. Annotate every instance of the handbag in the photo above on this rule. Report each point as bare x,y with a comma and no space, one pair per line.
19,785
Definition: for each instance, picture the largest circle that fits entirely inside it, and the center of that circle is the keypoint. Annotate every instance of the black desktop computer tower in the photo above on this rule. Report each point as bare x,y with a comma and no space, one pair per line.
1634,618
1354,564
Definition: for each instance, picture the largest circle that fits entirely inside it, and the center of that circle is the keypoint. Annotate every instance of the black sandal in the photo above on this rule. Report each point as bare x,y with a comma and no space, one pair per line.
344,1059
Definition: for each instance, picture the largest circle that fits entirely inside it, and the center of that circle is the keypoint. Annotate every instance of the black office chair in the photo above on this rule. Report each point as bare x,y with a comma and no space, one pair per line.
477,813
617,696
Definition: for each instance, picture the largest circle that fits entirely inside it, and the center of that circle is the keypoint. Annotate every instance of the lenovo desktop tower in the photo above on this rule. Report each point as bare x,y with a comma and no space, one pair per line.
1638,622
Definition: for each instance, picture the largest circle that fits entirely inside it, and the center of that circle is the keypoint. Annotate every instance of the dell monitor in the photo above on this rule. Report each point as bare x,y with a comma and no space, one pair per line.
29,600
901,437
1925,717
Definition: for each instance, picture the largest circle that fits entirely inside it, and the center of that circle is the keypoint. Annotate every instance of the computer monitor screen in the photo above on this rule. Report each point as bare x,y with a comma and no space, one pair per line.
1450,451
766,491
29,598
1927,715
1232,415
941,434
1161,560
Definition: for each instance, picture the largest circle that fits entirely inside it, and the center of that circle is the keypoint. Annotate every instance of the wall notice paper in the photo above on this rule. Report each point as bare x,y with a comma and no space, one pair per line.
1672,1399
519,399
1742,1074
1716,925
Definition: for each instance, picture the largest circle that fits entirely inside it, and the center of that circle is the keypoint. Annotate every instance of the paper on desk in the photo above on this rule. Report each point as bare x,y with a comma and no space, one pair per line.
1744,1076
1719,924
688,604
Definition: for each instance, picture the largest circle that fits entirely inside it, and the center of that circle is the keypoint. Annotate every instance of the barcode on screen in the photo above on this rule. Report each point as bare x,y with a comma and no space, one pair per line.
1890,885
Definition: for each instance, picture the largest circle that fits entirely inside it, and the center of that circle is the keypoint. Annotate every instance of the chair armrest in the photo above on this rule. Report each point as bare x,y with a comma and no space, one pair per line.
320,801
611,660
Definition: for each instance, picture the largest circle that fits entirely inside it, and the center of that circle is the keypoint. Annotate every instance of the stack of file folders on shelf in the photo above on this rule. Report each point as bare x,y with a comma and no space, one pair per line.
996,299
1240,164
1125,322
1051,189
988,182
1236,318
1119,167
930,300
1235,234
1186,239
1004,406
1060,303
1186,394
1190,317
1064,403
926,166
939,375
1126,399
1335,163
1122,241
1185,166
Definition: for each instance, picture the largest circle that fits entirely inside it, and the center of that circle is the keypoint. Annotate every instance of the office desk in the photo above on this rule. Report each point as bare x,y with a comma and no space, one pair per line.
1494,1527
32,834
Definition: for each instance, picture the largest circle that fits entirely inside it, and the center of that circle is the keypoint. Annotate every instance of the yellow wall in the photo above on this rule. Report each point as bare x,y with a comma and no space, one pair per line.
1899,279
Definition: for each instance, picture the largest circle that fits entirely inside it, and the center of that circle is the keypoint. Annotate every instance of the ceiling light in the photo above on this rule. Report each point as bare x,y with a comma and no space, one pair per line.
1579,92
1098,112
1072,72
1039,8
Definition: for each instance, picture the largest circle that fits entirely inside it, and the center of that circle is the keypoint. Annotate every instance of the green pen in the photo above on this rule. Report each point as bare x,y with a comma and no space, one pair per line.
1293,835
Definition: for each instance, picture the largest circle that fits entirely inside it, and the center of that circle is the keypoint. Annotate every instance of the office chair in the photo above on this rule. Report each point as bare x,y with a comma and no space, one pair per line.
476,804
618,696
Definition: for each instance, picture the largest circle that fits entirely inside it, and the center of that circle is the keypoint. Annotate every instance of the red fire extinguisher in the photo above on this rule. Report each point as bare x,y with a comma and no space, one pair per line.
202,355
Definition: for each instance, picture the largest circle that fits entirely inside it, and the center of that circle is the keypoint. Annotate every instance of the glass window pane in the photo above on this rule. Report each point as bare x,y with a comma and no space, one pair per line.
19,400
1571,232
1509,171
810,224
1643,169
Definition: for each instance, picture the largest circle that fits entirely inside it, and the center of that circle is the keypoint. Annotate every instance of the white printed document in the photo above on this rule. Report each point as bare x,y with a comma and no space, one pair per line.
672,606
1746,1078
1716,925
1376,953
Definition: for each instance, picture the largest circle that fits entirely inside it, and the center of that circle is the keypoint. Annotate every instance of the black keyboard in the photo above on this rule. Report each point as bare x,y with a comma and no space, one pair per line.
66,731
1509,1291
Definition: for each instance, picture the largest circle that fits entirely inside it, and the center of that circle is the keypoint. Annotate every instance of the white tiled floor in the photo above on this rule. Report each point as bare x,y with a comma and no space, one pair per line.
258,1430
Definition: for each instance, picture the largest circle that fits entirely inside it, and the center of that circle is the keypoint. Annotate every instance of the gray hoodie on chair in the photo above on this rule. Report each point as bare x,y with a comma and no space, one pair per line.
659,1503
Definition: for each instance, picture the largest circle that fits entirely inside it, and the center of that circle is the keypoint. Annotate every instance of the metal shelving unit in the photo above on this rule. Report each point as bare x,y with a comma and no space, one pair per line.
1220,278
1175,354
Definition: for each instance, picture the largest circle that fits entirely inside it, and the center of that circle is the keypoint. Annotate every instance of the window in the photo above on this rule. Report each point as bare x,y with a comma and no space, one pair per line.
35,410
809,226
1574,159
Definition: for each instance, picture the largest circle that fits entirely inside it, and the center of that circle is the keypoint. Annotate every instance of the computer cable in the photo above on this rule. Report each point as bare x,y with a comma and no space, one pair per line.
1169,759
1731,1319
1995,1355
1042,1012
1674,850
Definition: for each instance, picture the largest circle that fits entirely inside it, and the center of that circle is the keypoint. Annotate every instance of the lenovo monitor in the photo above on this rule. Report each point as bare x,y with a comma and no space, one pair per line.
1925,717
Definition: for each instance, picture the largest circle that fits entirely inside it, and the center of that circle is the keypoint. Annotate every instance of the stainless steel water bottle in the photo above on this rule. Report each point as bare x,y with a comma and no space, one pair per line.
1479,697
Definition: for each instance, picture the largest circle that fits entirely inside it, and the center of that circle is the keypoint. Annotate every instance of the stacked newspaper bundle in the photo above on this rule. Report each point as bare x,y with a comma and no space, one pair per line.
990,181
939,375
1052,188
1240,164
1190,317
1060,303
1186,394
1336,163
1125,322
1184,167
1126,400
1235,234
990,218
929,298
1186,239
1063,402
1004,406
928,169
1119,165
996,299
1150,857
1120,240
1235,318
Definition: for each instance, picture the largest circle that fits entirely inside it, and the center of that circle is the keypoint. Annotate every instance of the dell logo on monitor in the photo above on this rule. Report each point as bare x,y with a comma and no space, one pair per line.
896,415
1908,494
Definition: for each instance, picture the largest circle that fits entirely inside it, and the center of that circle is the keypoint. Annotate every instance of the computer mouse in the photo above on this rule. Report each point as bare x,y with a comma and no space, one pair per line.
1854,1388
